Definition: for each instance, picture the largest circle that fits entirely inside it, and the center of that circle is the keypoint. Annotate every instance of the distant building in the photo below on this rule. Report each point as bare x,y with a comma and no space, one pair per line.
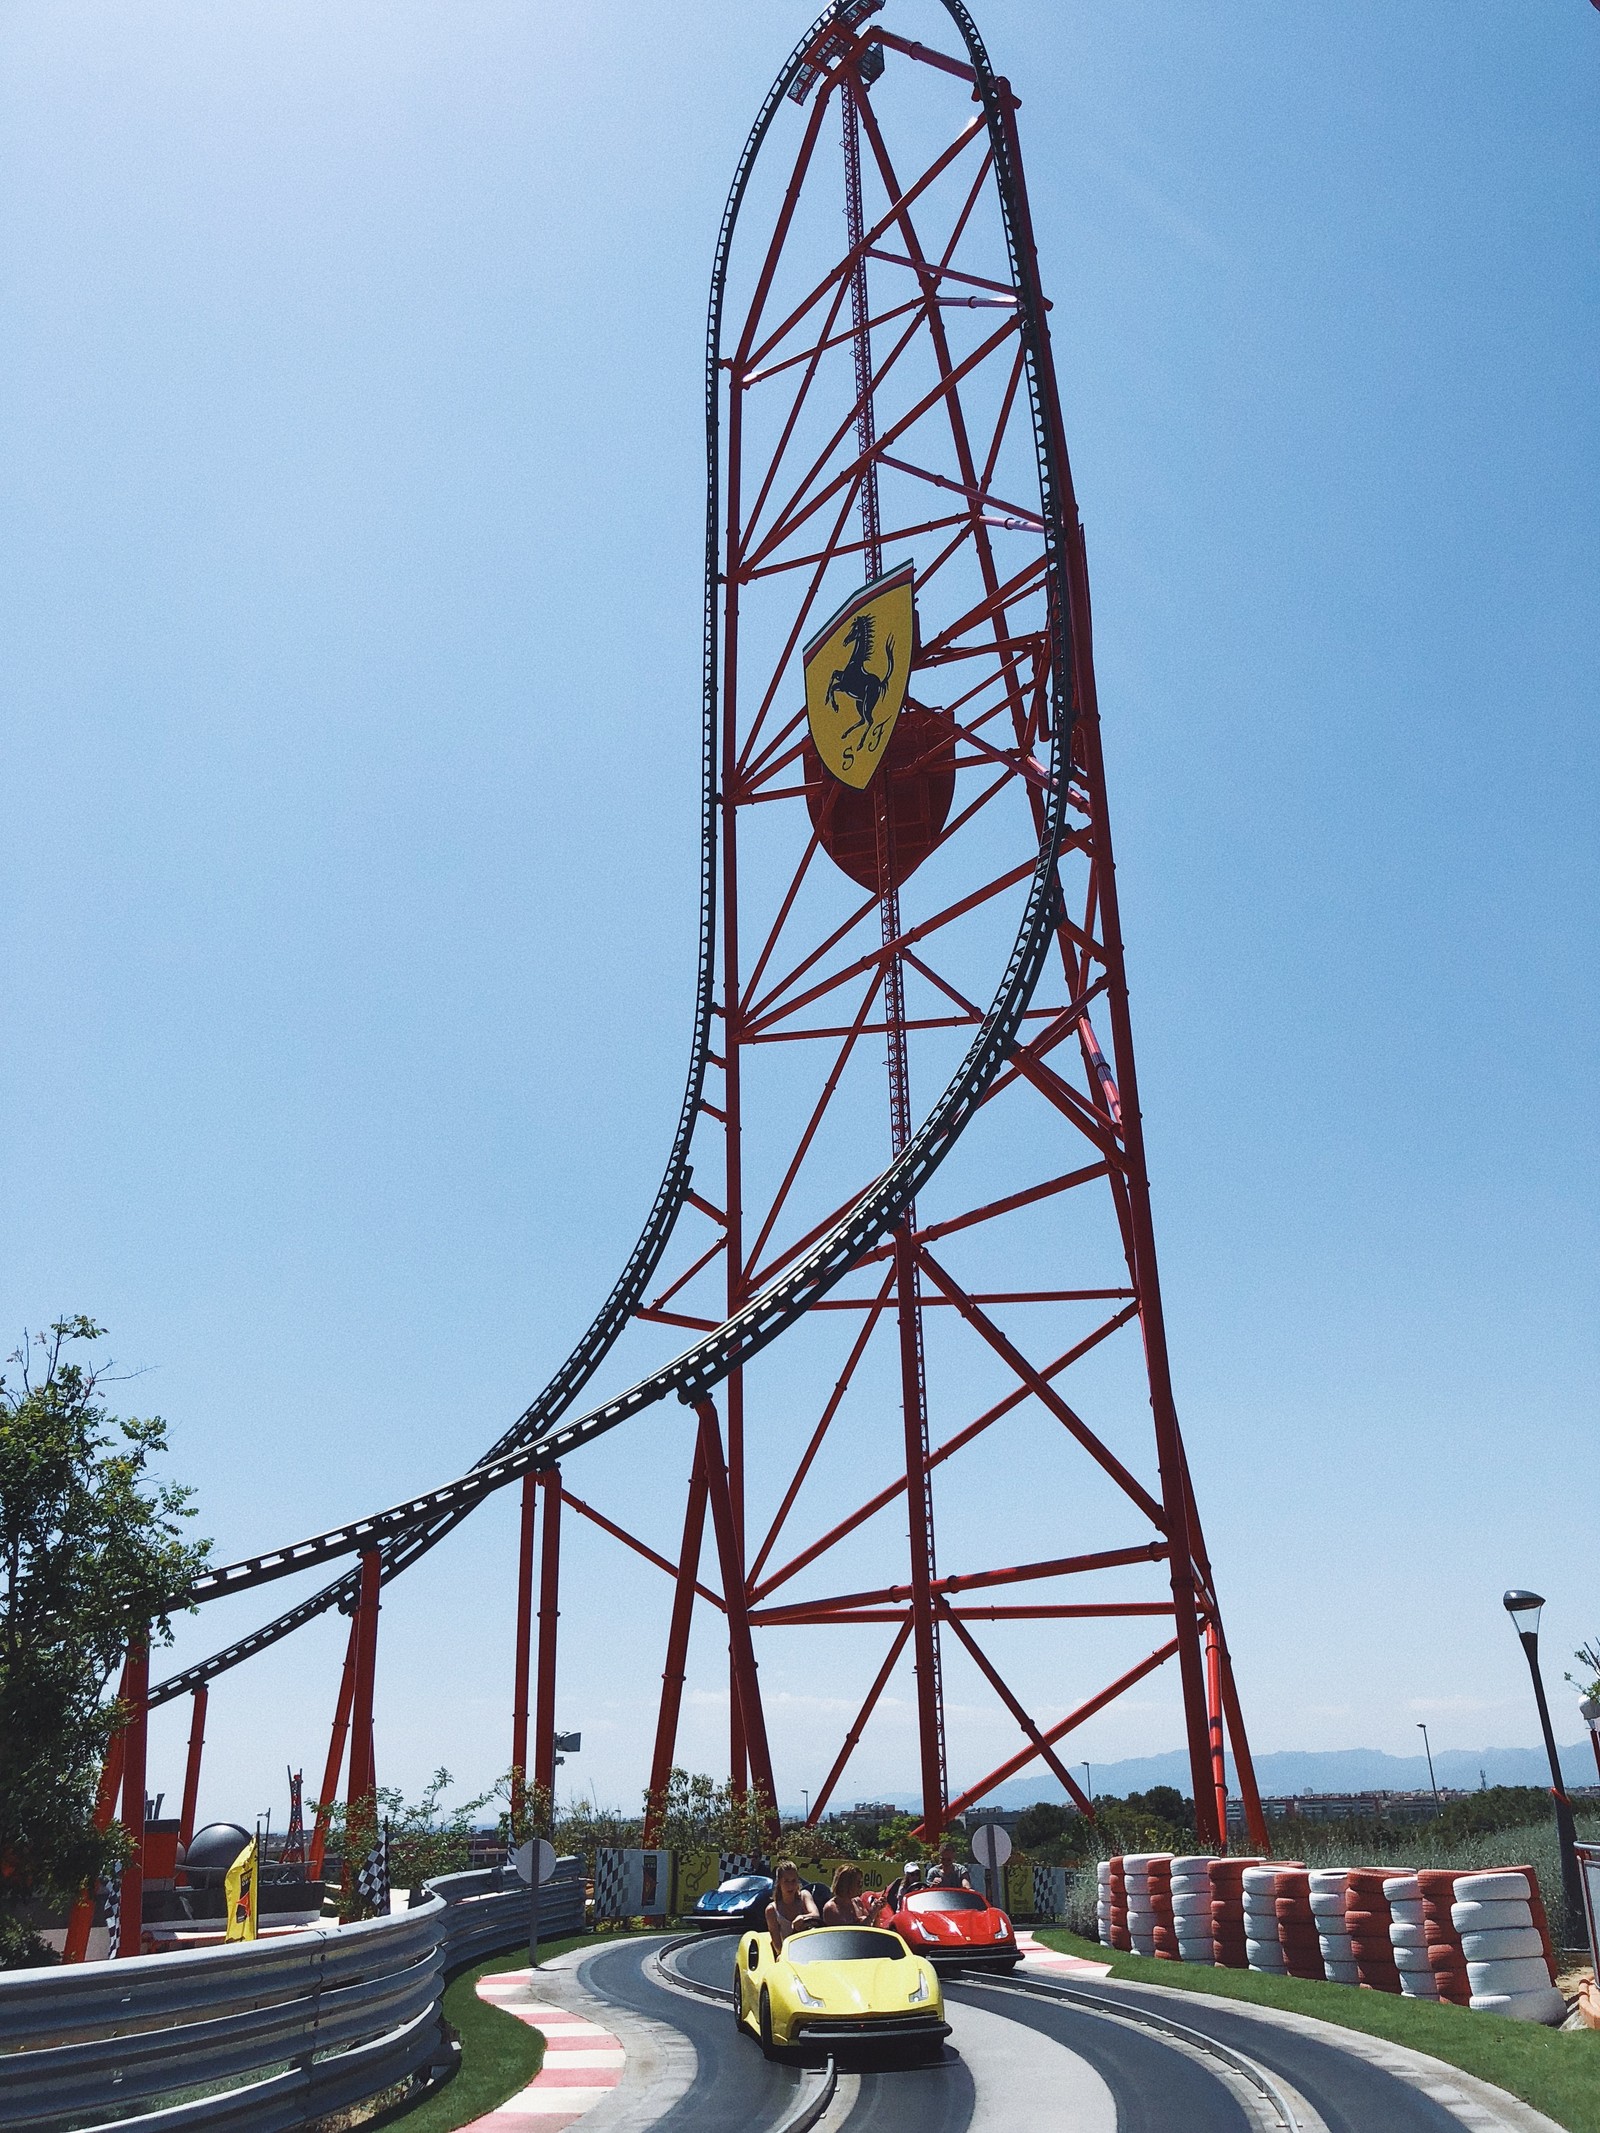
1345,1807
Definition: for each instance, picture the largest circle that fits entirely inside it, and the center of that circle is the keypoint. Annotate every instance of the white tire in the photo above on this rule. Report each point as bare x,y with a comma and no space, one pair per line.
1260,1880
1143,1943
1491,1888
1410,1914
1187,1906
1264,1955
1326,1907
1419,1985
1403,1888
1503,1947
1191,1863
1197,1951
1545,2005
1527,1973
1404,1934
1136,1862
1191,1892
1329,1881
1490,1917
1408,1959
1336,1947
1341,1973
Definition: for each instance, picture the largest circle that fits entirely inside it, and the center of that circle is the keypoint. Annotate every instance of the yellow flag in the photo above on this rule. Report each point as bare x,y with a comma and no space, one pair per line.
856,668
239,1892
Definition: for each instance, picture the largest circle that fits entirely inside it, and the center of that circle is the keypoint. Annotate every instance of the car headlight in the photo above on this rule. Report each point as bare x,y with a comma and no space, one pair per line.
919,1991
805,1997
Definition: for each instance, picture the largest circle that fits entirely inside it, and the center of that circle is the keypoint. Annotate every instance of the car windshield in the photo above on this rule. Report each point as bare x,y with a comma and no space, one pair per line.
842,1944
746,1885
946,1900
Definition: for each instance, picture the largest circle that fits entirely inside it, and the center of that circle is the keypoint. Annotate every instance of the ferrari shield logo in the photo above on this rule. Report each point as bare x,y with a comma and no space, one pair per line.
857,667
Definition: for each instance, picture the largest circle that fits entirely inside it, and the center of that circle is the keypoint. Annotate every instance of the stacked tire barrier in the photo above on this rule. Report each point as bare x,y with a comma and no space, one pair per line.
1408,1937
1366,1920
1227,1912
1474,1940
1117,1907
1298,1936
1149,1899
1448,1960
1506,1945
1326,1894
1263,1949
1191,1908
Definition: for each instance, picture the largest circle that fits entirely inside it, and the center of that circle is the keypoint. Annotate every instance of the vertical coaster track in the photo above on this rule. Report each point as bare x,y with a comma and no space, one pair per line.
908,894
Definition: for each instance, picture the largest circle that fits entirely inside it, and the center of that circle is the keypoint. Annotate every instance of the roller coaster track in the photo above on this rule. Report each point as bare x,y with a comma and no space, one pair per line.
405,1531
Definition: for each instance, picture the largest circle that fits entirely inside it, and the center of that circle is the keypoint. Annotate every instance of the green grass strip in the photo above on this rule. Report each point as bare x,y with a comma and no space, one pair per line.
499,2054
1556,2070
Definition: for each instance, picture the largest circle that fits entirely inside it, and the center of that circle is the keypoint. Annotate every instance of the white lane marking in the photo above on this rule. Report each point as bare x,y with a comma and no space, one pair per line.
1023,2078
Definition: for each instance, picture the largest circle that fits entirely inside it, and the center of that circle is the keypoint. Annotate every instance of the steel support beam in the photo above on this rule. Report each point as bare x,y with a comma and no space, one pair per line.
134,1758
191,1767
520,1669
544,1716
694,1520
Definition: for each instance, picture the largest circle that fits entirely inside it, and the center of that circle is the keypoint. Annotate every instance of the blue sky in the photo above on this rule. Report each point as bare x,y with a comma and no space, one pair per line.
352,361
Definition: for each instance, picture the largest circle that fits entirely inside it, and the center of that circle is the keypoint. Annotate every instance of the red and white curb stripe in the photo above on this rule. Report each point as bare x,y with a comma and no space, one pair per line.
582,2062
1039,1957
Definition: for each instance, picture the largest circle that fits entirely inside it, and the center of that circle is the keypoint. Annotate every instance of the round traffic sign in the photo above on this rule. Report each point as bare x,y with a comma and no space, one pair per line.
991,1846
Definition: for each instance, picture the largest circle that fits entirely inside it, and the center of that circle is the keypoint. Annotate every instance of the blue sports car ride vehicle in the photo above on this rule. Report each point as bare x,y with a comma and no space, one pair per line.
740,1901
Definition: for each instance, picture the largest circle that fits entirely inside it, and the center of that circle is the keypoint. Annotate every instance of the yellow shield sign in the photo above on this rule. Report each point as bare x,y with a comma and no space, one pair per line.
857,666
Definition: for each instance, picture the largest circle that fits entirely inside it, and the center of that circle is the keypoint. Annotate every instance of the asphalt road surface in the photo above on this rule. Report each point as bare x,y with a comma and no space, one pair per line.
1010,2065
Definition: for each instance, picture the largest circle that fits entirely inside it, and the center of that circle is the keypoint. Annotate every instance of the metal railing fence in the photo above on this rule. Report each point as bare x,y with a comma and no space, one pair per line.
259,2036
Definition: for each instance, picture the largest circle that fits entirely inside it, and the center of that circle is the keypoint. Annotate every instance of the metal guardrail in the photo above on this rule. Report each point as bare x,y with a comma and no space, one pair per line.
273,2034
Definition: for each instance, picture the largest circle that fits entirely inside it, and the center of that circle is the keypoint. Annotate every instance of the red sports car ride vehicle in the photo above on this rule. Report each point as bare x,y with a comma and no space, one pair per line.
955,1926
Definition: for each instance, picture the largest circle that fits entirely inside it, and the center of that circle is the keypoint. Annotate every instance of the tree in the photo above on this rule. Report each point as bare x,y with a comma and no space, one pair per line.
91,1554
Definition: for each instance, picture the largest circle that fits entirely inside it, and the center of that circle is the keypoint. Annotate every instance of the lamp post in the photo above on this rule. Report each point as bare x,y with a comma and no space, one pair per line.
1524,1608
1589,1709
1428,1752
1088,1784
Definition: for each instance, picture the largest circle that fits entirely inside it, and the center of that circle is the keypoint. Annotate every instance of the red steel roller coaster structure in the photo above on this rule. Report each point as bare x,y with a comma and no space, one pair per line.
912,1105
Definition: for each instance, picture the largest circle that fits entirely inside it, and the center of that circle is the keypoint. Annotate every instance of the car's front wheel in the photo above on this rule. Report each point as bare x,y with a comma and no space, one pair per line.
769,2043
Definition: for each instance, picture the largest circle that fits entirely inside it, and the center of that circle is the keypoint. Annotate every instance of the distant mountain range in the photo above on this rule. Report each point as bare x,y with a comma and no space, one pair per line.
1293,1770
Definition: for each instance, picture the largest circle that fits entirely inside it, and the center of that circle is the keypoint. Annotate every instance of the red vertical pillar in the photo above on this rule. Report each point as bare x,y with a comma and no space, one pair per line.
1219,1767
133,1778
544,1716
1255,1821
519,1693
191,1768
81,1921
330,1774
363,1777
694,1521
741,1651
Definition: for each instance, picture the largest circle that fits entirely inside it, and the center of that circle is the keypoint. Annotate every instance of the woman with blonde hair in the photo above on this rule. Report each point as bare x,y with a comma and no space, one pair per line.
847,1906
792,1908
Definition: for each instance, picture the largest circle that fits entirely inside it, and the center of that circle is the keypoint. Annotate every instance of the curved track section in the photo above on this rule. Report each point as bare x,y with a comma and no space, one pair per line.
1041,2054
541,1436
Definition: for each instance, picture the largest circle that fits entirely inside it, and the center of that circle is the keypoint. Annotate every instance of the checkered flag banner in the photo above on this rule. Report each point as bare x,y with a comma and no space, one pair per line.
372,1883
610,1884
731,1863
1049,1891
114,1905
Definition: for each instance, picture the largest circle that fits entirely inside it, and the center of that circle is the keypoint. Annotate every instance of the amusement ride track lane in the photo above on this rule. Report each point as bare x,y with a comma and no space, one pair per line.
1351,2095
1157,2087
735,2090
1071,2070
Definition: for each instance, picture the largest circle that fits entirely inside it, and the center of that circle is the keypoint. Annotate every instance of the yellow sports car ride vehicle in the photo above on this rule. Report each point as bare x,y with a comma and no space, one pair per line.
837,1984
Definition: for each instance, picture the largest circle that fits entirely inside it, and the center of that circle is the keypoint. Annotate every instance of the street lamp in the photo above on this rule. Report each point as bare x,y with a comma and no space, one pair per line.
1088,1784
1524,1608
1428,1752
